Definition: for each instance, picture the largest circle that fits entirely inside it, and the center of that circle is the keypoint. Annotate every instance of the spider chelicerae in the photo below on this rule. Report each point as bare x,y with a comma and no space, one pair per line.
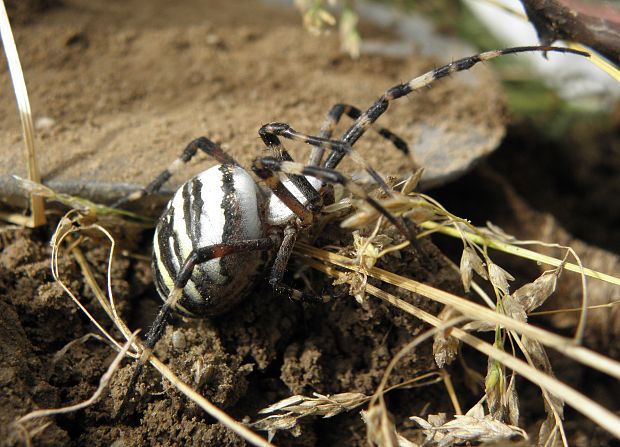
206,241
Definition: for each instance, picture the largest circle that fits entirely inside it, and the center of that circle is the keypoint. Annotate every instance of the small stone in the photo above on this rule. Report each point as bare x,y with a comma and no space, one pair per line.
214,40
44,123
178,340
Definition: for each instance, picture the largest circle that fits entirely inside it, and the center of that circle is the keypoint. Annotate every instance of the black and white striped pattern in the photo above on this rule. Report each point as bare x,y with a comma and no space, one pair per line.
224,205
366,119
220,205
208,243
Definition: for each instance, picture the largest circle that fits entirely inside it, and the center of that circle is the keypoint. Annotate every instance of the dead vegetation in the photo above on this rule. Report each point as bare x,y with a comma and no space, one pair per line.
356,261
495,416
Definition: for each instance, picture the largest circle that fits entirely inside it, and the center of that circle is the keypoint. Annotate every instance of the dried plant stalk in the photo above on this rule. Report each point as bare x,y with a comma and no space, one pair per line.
523,253
574,398
476,311
37,216
66,227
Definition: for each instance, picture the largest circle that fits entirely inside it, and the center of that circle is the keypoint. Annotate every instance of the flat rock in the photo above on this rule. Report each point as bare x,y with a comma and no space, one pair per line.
121,90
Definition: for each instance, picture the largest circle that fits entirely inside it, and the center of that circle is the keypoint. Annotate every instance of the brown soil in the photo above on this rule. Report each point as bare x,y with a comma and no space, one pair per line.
265,350
127,84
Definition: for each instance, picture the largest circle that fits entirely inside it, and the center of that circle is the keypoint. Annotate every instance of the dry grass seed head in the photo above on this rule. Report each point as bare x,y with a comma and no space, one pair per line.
445,347
37,207
523,300
467,429
513,309
471,262
412,182
285,414
501,395
576,399
499,277
380,429
534,294
366,251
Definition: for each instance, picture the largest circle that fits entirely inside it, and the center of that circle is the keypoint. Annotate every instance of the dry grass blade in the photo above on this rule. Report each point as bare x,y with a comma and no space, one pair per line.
475,311
447,380
83,339
37,216
26,435
522,252
575,309
598,60
67,227
575,399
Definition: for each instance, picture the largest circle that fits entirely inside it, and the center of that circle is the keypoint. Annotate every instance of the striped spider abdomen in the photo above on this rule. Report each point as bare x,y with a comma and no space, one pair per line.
218,206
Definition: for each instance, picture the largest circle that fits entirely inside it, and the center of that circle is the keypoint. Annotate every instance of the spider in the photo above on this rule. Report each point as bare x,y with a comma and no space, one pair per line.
205,243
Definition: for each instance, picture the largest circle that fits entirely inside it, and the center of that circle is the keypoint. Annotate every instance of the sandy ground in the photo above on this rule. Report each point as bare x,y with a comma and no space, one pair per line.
126,85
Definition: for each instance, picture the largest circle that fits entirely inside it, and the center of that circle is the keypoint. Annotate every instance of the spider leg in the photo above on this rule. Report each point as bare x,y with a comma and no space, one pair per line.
271,165
332,120
202,143
366,119
273,182
301,183
279,267
196,257
270,132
